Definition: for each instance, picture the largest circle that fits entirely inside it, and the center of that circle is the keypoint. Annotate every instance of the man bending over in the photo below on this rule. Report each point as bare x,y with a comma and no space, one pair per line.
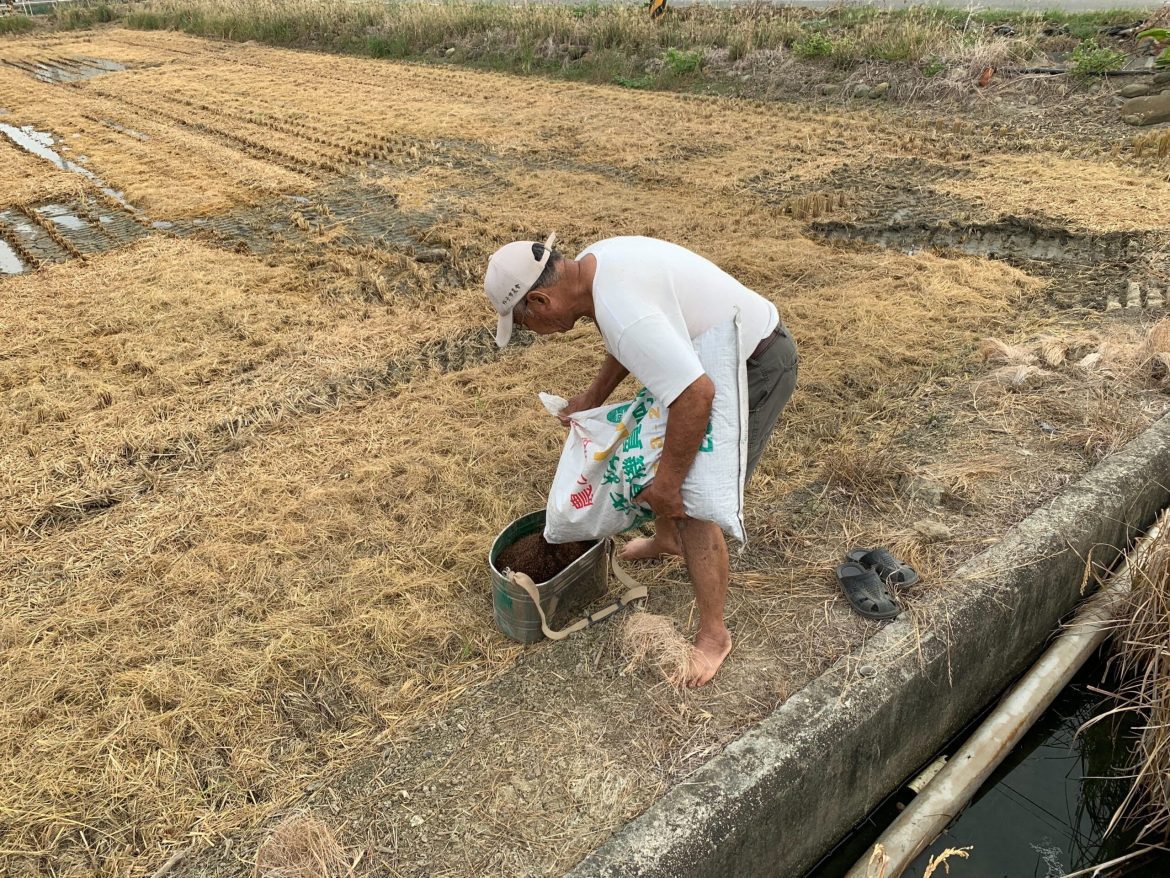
649,299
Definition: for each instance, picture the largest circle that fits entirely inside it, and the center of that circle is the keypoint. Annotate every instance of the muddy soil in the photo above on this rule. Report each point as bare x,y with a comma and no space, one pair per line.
538,558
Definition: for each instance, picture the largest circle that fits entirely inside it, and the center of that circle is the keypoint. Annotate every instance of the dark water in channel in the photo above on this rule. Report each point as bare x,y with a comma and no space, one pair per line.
1043,813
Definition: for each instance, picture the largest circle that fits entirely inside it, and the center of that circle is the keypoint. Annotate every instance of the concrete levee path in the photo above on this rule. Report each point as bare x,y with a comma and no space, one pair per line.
784,792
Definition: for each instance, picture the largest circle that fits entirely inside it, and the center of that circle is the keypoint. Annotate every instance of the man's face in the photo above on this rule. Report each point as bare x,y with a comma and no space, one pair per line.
544,311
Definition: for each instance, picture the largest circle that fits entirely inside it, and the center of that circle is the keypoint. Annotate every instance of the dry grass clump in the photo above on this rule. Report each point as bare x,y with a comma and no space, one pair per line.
1020,377
1153,354
652,641
1156,143
995,351
1146,359
863,471
1142,662
302,847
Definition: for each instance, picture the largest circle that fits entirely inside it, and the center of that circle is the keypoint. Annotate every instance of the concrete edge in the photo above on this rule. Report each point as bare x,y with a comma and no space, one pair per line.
780,795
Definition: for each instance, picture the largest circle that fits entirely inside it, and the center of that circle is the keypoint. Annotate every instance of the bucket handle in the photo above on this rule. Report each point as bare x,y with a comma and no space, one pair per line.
634,591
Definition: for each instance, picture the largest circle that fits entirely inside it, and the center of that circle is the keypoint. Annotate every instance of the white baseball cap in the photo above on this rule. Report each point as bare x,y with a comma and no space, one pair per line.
511,272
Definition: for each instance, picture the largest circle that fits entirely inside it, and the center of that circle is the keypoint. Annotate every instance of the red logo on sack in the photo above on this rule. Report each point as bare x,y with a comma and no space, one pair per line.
583,498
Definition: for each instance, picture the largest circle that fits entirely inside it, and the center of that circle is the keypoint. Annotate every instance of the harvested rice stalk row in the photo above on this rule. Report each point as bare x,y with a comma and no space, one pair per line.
302,128
65,512
341,151
50,229
256,149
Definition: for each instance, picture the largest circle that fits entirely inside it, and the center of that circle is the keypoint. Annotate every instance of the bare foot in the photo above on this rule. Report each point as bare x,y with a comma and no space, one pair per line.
648,550
707,656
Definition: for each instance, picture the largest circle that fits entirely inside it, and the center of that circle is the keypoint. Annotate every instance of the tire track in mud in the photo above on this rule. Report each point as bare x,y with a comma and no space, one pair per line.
140,466
57,230
1084,270
893,205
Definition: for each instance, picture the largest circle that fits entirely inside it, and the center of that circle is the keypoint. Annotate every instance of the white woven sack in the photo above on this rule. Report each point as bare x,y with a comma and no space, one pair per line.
613,451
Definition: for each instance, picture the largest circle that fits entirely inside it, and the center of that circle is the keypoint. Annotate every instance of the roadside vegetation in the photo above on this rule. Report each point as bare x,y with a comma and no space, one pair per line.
16,24
687,48
1141,662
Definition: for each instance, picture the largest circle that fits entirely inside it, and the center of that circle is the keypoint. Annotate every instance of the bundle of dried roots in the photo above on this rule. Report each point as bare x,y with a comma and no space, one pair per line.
302,847
649,640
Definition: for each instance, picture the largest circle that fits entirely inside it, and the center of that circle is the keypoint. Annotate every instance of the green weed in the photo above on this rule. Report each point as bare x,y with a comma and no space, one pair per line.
813,45
1089,58
604,43
1161,35
933,67
681,62
78,16
643,81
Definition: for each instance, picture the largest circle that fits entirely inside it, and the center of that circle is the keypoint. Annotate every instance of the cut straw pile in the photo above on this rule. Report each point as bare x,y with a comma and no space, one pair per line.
302,847
651,641
1022,367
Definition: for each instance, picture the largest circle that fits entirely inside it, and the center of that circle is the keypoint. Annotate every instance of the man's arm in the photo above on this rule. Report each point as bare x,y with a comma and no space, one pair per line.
609,376
685,428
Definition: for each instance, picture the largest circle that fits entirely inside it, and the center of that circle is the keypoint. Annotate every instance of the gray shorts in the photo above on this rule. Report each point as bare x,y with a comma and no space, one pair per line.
771,380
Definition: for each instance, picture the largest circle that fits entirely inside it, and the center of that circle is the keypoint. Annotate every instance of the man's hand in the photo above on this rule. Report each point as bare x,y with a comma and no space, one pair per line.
579,403
666,500
608,377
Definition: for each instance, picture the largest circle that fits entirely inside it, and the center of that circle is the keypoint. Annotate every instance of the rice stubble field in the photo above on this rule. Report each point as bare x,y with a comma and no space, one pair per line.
256,438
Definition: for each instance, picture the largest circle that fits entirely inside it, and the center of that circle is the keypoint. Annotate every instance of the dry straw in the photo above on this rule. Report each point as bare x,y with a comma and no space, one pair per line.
1142,360
879,861
651,641
302,847
1141,661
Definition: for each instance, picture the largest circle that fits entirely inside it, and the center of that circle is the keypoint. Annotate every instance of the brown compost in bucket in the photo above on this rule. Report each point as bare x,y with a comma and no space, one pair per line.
568,577
541,560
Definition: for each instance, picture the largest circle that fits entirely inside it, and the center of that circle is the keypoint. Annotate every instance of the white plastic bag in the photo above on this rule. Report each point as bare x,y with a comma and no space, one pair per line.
612,453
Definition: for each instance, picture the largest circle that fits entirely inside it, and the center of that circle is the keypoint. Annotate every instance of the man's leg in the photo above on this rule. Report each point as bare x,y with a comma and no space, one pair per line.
665,542
705,550
771,381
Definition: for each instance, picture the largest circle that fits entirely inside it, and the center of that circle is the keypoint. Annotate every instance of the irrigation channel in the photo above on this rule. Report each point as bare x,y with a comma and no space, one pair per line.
1044,812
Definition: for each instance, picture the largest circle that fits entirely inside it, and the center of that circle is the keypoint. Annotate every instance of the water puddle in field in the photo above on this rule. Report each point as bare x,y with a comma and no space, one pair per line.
9,262
41,143
68,69
61,216
20,227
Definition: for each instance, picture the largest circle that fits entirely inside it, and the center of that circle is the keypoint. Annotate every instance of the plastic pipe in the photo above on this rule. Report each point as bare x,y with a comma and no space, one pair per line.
952,788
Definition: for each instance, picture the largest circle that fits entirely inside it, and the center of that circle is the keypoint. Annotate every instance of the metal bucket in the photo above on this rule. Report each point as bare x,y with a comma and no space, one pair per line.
562,597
